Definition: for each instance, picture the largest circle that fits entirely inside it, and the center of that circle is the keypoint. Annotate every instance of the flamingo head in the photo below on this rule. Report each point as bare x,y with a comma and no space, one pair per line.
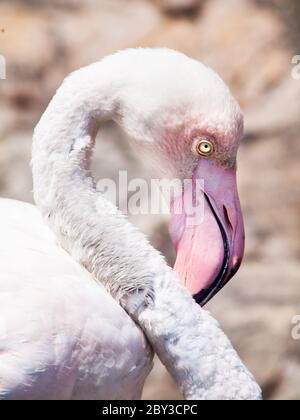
183,112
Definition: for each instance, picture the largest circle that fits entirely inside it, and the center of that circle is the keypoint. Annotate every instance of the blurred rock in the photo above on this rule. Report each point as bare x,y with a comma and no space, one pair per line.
246,41
289,12
187,8
159,385
268,115
264,298
43,44
15,172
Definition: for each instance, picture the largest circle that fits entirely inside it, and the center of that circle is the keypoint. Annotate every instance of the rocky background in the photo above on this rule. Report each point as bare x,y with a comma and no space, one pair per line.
251,44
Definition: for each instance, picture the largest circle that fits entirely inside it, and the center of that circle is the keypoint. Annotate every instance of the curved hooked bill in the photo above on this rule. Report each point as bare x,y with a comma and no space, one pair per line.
207,231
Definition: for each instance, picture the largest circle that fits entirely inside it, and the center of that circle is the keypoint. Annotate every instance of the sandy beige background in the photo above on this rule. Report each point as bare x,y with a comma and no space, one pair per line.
251,44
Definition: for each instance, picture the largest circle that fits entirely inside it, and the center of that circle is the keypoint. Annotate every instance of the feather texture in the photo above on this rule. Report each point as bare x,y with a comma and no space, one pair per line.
62,336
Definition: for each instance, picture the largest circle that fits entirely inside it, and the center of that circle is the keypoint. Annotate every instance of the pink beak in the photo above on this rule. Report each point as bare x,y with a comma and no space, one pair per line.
210,242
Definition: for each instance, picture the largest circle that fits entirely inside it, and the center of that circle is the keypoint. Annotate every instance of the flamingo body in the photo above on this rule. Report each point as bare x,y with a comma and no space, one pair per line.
62,336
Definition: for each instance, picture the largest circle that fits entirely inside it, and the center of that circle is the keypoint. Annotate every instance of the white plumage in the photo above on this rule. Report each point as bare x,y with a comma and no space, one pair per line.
62,335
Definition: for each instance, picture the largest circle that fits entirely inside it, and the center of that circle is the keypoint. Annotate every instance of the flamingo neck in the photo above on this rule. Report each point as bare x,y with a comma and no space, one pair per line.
88,226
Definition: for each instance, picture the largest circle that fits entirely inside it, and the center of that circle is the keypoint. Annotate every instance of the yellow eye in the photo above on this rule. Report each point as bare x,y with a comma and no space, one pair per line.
205,148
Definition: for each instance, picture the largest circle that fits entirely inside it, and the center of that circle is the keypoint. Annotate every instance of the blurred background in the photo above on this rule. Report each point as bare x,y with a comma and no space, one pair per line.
250,43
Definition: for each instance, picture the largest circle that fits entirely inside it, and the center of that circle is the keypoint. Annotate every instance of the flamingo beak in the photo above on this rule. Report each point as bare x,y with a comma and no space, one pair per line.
208,232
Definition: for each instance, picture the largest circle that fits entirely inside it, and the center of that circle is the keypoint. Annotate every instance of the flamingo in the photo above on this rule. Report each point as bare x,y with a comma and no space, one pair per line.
84,297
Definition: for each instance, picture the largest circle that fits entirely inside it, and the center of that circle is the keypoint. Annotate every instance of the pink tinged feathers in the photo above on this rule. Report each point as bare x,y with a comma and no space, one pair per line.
209,250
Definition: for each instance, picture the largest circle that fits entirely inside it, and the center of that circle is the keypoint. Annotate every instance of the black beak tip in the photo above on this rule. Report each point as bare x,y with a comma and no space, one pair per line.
203,297
235,268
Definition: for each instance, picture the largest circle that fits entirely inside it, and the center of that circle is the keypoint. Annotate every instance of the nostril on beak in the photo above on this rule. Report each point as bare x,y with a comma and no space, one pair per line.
227,219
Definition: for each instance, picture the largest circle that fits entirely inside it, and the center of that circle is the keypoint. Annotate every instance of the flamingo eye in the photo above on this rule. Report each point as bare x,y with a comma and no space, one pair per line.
204,147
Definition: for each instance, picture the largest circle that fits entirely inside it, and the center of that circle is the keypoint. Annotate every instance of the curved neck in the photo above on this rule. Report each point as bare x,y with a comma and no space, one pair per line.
112,250
64,137
89,227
